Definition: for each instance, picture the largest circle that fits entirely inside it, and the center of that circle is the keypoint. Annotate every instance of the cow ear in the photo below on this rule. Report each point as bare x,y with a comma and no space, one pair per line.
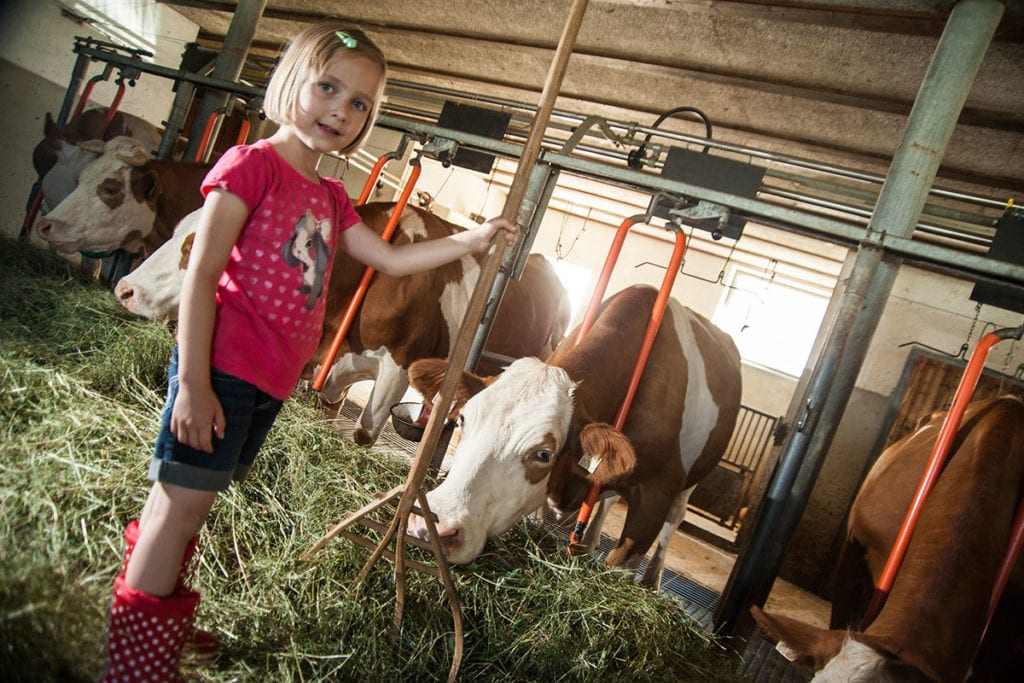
50,127
427,374
798,641
609,448
94,146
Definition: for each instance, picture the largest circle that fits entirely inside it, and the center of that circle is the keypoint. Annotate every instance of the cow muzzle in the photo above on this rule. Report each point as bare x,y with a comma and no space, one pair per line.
50,230
452,538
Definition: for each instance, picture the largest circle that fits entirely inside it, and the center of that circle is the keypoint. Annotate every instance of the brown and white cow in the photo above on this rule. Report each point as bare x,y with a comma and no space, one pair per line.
401,319
59,158
124,200
525,432
934,618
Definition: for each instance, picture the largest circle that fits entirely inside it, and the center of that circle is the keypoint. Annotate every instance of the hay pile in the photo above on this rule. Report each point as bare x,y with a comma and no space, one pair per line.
81,385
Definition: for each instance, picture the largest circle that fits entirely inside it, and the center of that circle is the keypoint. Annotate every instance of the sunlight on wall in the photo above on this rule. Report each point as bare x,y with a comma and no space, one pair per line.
576,280
143,24
773,322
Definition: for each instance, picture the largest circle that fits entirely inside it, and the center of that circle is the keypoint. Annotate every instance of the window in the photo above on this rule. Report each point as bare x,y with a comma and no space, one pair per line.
773,321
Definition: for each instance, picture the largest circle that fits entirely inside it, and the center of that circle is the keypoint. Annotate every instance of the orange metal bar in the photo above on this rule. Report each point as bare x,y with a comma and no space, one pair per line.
602,281
938,458
372,178
364,284
33,210
204,142
653,324
243,132
112,111
86,92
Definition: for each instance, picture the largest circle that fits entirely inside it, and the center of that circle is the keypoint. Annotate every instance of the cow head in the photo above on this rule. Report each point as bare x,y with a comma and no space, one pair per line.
522,441
837,656
113,206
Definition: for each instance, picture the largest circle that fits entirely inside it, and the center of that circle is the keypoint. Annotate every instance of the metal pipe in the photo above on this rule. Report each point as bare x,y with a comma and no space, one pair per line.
954,65
541,184
633,128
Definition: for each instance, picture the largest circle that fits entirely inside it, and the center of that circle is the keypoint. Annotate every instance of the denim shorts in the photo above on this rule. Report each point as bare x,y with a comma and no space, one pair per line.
249,413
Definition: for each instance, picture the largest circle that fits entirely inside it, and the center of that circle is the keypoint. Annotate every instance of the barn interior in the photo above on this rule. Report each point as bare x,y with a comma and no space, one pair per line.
793,116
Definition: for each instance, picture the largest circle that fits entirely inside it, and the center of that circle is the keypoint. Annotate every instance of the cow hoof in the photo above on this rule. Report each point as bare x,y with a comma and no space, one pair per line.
362,437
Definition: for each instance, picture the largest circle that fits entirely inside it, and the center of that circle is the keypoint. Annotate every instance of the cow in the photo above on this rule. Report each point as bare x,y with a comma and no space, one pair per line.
124,200
526,433
401,319
59,157
933,621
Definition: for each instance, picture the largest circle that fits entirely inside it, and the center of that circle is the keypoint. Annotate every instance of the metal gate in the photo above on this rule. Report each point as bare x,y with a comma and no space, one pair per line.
724,495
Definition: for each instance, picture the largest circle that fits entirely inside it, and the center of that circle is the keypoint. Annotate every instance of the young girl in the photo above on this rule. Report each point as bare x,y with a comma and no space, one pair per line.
250,317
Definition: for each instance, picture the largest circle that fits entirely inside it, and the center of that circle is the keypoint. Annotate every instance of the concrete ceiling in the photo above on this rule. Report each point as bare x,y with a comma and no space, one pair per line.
827,80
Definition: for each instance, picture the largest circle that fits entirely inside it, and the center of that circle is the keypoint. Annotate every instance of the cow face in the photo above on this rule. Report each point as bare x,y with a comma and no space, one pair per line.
113,206
838,656
521,436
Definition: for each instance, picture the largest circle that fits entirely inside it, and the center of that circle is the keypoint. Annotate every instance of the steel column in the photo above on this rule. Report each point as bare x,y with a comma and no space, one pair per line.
228,67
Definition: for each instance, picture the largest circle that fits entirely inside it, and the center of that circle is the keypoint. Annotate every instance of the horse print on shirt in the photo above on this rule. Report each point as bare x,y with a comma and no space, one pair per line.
307,248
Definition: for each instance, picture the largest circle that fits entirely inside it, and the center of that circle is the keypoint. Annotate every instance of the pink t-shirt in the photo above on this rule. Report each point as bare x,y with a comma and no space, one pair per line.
271,296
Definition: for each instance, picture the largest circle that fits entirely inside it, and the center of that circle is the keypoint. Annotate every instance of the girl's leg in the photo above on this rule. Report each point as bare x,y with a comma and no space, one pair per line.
171,518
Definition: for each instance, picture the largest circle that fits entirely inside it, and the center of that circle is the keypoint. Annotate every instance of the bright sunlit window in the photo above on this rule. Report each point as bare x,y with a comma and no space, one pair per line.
774,322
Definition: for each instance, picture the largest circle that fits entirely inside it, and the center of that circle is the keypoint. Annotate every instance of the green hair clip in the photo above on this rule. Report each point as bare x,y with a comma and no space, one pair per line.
346,40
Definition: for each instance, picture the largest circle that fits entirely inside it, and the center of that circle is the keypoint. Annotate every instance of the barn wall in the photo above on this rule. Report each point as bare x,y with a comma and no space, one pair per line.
36,61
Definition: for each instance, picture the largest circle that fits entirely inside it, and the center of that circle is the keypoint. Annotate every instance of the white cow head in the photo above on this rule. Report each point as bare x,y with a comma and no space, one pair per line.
839,656
521,443
113,205
154,288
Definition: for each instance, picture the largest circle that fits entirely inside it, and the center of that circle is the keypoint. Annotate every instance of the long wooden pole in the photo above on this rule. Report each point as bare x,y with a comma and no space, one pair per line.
460,349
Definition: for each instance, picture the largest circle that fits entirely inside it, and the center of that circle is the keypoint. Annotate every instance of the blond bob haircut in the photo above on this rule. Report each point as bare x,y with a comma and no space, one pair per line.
306,57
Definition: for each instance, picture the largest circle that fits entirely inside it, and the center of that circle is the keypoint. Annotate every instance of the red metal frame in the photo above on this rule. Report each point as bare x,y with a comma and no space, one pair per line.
364,283
657,314
947,433
204,141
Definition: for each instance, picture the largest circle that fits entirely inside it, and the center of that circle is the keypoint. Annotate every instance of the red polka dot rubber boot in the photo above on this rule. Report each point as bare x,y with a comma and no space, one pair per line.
146,635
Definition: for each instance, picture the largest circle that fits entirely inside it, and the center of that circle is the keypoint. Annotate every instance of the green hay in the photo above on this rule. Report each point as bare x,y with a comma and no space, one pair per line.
81,386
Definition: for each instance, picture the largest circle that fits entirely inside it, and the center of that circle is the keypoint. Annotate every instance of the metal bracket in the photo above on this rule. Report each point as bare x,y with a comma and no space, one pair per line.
440,149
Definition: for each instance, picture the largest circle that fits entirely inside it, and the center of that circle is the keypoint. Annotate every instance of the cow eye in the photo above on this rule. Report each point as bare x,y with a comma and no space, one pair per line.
542,456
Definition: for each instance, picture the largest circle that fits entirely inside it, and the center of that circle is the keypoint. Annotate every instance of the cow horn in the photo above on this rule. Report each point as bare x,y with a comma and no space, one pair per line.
137,159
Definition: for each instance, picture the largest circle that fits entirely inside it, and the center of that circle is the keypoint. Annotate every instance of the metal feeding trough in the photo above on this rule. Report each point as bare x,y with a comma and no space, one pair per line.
405,419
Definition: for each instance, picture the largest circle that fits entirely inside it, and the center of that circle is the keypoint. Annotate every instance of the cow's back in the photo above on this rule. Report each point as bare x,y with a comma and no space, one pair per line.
419,315
671,402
